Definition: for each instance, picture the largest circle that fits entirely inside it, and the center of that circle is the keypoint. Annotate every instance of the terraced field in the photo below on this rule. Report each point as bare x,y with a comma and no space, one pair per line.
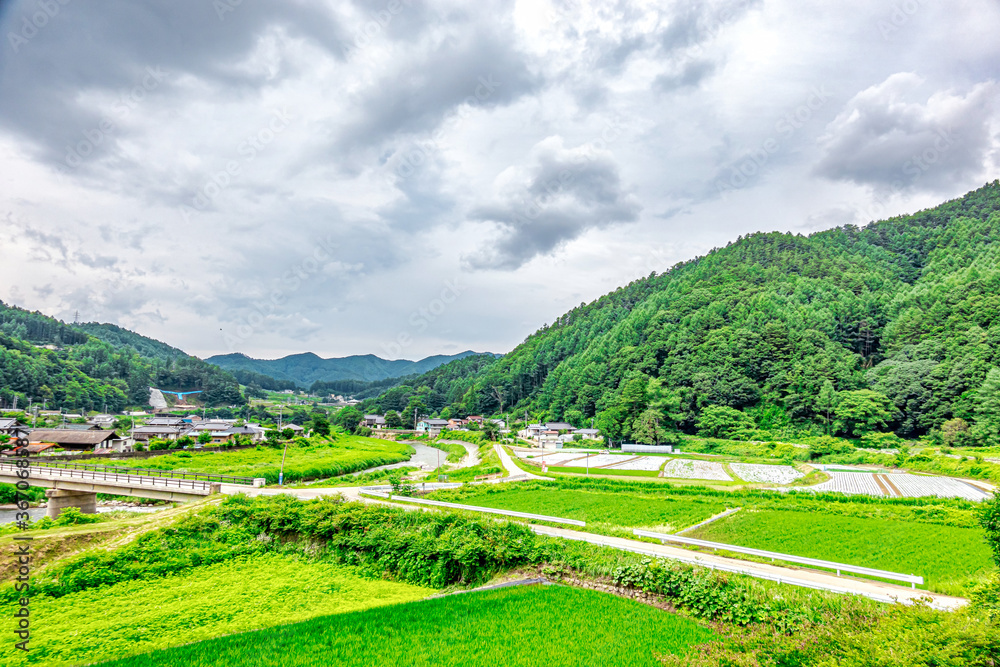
948,557
612,509
684,469
898,485
568,627
752,472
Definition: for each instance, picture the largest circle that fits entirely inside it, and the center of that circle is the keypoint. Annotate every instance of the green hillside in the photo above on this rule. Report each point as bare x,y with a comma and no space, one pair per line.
96,366
307,368
895,325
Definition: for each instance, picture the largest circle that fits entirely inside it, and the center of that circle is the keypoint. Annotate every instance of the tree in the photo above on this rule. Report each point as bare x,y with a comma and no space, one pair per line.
826,402
415,408
722,421
272,435
647,427
287,434
988,408
955,432
989,518
491,430
574,417
611,423
348,418
205,437
862,411
393,420
320,425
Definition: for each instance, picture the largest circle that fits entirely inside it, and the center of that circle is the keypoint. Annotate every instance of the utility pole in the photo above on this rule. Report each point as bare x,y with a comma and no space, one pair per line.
281,473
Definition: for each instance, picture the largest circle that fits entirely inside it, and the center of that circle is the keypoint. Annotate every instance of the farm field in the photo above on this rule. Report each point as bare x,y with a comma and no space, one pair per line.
948,557
915,486
752,472
684,469
618,509
119,620
319,458
568,627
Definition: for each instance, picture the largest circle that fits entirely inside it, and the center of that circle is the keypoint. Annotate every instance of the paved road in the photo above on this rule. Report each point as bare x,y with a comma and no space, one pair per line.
512,468
788,575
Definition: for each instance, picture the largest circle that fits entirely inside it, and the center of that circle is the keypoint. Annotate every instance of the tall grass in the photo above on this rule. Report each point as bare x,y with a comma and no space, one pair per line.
235,596
513,627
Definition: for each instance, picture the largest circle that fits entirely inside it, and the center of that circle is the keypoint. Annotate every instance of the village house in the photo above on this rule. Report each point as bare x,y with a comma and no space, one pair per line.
432,426
373,421
96,440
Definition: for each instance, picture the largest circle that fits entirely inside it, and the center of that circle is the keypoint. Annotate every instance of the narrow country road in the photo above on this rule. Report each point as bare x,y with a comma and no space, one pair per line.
787,575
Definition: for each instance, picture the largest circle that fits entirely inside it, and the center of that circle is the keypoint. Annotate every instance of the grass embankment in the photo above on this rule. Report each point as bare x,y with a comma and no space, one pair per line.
243,594
951,559
938,539
312,458
537,625
456,452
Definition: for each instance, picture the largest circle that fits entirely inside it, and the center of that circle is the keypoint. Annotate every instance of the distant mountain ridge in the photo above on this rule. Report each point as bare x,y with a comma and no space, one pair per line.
306,368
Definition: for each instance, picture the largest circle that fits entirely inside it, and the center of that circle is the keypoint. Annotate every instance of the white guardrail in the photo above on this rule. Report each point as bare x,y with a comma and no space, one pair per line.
694,560
473,508
912,579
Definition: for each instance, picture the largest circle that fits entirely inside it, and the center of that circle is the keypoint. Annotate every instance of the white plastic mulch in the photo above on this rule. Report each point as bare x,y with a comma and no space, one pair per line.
754,472
597,460
640,463
551,459
918,486
684,469
850,483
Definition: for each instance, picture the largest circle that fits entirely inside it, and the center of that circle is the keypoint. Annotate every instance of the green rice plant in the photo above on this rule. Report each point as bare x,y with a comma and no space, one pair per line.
512,627
613,510
236,596
314,458
951,559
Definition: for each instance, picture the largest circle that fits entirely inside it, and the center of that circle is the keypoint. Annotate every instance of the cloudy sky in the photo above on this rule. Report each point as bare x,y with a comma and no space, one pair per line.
408,178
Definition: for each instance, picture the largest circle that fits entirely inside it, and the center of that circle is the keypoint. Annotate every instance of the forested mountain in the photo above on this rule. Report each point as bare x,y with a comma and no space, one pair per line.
96,366
892,326
308,368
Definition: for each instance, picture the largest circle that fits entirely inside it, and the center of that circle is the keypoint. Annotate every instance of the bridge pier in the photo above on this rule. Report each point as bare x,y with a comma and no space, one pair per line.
60,499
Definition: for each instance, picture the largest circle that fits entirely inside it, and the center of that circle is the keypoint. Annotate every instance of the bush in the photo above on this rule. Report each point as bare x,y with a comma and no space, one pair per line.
826,445
722,421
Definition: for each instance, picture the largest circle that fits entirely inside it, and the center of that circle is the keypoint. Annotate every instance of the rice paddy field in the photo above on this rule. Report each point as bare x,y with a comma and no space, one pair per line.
613,509
511,627
948,557
120,620
309,459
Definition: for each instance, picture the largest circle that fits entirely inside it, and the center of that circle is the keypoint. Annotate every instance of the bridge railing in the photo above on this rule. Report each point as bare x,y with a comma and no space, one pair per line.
144,472
115,478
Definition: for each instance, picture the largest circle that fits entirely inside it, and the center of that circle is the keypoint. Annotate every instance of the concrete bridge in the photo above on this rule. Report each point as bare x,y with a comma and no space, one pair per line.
77,484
